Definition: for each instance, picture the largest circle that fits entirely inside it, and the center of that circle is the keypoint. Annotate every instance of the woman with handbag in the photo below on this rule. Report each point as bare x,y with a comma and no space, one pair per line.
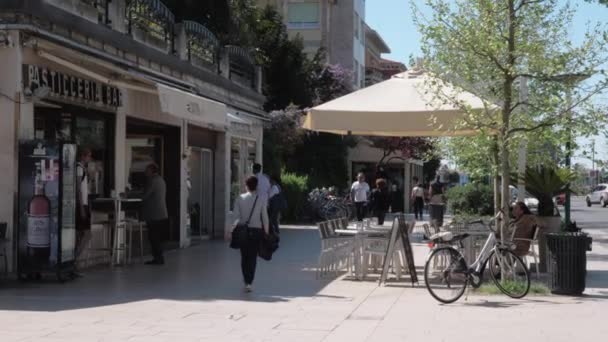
249,229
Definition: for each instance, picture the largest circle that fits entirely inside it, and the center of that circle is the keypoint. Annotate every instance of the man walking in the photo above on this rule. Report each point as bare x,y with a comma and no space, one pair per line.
359,192
154,212
263,183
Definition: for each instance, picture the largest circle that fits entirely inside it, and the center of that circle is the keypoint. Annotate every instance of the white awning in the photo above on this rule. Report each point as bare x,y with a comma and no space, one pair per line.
193,108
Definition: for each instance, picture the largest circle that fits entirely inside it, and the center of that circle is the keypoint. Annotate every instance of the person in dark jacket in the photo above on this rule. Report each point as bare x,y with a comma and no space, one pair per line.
380,200
154,212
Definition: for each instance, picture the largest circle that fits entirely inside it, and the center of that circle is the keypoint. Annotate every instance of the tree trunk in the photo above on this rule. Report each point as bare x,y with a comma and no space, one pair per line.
506,113
496,174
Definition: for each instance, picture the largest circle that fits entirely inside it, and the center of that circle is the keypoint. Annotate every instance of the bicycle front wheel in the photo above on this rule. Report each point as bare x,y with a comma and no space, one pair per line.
509,273
445,275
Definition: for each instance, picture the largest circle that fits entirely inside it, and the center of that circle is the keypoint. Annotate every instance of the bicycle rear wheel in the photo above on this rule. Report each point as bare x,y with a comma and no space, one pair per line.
445,275
509,273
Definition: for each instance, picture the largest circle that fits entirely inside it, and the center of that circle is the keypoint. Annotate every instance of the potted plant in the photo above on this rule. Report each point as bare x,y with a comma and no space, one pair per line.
544,183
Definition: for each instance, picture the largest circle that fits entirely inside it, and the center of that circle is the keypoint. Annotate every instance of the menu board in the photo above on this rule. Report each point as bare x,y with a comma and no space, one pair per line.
399,230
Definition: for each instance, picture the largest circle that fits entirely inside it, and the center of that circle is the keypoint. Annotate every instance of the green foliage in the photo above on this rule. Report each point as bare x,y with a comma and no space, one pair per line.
321,156
491,47
471,199
544,183
536,288
429,169
295,188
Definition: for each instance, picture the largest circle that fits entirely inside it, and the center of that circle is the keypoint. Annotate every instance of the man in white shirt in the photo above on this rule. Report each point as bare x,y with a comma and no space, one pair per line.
359,193
263,183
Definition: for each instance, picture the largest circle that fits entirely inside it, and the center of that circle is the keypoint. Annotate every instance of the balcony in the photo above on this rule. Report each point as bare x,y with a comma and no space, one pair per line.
151,22
242,66
92,10
201,44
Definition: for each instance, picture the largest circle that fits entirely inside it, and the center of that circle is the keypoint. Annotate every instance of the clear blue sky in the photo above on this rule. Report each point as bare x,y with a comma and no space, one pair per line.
393,19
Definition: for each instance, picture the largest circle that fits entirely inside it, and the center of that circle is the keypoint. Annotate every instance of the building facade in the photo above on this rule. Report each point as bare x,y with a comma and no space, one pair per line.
126,81
336,26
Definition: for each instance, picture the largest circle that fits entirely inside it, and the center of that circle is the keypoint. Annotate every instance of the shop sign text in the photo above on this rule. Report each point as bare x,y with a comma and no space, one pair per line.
71,87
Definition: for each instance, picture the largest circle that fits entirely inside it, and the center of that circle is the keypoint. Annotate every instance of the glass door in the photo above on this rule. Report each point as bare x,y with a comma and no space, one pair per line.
200,201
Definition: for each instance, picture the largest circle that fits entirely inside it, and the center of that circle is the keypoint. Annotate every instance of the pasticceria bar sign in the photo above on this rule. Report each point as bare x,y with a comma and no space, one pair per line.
71,87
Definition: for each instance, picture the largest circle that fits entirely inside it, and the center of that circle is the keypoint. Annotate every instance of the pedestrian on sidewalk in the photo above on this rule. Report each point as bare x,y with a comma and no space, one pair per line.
437,202
263,189
276,204
154,212
417,198
380,200
251,209
359,193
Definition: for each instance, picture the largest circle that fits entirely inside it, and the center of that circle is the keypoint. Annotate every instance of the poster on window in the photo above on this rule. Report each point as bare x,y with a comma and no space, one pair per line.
38,242
68,203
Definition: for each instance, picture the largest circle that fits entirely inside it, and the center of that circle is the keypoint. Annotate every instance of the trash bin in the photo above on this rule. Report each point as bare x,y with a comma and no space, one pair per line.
568,262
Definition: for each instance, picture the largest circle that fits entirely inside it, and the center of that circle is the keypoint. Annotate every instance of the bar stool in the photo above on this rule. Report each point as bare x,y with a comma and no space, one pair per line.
134,224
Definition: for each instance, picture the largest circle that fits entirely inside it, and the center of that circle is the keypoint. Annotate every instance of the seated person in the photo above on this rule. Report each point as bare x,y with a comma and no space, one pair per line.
522,227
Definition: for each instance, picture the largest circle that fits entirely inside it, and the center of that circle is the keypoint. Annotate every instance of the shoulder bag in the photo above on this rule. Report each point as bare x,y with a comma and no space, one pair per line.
240,232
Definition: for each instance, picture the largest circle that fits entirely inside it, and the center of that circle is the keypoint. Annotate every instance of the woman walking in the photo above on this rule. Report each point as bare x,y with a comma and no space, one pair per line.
380,200
250,210
418,200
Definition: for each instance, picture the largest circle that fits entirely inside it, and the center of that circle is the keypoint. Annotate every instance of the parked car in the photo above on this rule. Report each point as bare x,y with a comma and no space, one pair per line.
531,202
599,195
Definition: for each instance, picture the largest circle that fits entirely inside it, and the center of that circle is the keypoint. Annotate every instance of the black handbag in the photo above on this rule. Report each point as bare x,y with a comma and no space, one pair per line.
268,245
241,231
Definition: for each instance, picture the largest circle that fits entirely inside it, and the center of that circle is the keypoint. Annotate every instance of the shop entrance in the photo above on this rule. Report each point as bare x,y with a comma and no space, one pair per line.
149,142
201,193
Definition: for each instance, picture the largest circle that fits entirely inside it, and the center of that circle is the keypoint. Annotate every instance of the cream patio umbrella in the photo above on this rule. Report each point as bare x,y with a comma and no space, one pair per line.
400,106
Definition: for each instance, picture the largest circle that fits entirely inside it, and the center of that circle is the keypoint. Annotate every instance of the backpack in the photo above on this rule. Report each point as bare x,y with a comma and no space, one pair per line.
279,201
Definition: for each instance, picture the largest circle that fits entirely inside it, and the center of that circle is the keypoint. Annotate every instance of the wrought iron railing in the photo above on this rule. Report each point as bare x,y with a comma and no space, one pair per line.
102,9
242,65
152,17
202,44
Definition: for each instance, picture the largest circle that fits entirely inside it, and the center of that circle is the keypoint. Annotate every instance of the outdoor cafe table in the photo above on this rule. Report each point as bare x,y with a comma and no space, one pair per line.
359,237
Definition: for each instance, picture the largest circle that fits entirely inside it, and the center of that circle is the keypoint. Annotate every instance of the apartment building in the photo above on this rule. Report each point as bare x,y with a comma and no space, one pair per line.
336,26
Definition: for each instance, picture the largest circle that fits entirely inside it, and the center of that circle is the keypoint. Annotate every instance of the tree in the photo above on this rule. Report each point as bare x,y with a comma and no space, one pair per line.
404,147
282,135
492,47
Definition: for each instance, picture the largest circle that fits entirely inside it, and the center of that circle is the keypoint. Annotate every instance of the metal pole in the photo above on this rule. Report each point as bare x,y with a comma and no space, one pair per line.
568,157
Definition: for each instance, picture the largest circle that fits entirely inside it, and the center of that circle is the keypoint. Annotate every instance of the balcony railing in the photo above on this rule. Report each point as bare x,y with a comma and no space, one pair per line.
203,46
102,9
152,18
242,66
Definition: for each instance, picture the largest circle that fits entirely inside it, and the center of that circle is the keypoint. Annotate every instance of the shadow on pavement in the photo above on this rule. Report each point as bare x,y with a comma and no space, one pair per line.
208,272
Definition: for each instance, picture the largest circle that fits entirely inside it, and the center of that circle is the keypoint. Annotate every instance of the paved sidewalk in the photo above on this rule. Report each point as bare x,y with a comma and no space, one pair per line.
197,296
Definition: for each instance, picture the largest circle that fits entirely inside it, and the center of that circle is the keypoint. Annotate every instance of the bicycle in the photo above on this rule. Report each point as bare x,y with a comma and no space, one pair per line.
447,274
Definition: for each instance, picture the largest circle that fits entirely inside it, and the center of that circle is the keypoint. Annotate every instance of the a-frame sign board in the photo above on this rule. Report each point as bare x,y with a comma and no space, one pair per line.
399,230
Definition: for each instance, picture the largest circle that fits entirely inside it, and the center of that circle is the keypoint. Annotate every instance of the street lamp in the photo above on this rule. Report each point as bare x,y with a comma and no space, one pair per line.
570,80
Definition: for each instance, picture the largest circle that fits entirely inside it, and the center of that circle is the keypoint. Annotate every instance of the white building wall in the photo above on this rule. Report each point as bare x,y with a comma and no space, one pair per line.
10,123
359,43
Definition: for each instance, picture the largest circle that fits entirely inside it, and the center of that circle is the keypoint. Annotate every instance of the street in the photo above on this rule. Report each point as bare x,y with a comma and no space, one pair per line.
197,296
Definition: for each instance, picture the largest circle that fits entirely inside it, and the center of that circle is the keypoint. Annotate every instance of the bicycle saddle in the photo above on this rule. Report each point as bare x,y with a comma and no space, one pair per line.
448,237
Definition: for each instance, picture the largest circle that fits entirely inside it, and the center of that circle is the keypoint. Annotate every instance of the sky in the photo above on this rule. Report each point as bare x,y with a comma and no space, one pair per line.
393,20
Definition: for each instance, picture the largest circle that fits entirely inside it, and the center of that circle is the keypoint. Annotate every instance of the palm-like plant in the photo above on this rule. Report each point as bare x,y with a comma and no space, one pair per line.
544,183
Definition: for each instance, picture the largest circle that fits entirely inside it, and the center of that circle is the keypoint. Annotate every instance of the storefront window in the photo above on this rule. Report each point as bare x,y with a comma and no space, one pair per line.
87,129
91,133
251,155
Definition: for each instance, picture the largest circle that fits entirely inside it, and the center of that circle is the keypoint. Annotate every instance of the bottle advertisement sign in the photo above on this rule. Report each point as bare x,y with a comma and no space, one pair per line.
39,194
